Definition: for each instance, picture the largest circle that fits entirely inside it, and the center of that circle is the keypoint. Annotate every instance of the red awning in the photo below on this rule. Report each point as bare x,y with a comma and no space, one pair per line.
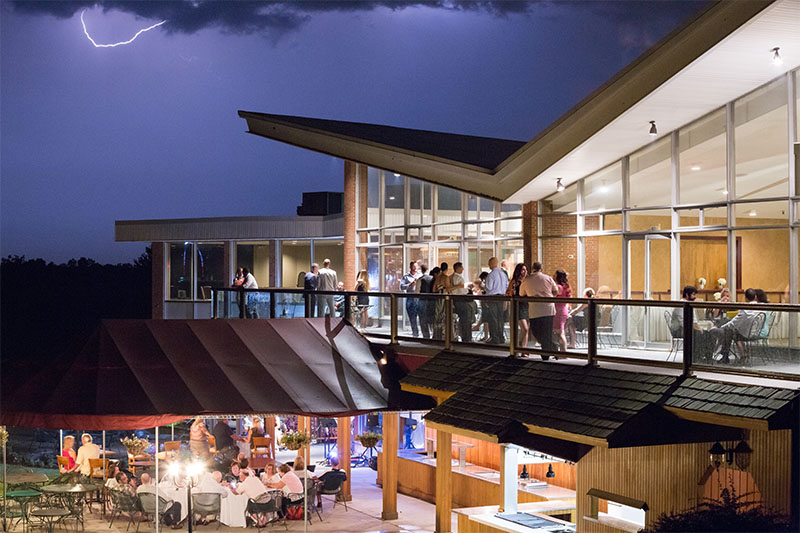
134,374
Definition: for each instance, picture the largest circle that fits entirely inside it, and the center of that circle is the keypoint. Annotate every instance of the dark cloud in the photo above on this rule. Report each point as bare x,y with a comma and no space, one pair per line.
251,17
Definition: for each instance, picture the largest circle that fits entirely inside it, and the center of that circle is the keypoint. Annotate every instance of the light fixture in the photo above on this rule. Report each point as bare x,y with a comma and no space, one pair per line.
696,167
776,56
396,175
718,455
752,213
559,186
725,192
653,129
391,198
550,473
603,188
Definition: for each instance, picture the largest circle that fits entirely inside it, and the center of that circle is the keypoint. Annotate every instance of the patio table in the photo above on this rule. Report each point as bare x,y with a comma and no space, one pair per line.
71,496
20,478
50,516
24,497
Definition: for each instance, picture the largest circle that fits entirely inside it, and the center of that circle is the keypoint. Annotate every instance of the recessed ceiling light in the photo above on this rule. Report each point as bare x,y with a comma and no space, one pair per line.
725,192
396,175
391,198
696,167
776,56
752,213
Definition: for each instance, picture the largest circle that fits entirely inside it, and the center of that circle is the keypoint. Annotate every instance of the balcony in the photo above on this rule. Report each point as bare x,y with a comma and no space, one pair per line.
700,336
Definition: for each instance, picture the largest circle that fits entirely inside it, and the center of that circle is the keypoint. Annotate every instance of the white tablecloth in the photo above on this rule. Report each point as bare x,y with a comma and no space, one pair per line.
232,508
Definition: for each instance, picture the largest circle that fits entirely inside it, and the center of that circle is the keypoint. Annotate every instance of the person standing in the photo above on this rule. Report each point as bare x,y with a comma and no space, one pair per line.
408,284
562,310
496,284
425,286
441,285
310,283
198,439
250,283
504,268
462,306
327,281
520,273
538,284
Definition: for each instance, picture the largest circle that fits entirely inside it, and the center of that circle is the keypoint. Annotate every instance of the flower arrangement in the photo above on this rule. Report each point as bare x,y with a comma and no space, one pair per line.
701,283
294,440
369,439
134,445
721,282
717,296
3,436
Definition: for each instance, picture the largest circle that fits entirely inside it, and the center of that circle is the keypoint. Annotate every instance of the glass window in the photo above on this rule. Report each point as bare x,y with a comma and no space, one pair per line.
368,259
703,160
449,255
479,208
510,210
210,269
561,202
603,189
604,265
180,271
650,171
478,256
761,214
370,218
703,255
255,257
715,216
650,220
762,142
479,231
658,273
689,218
448,232
764,261
393,235
295,262
332,249
392,268
421,193
449,205
511,228
512,251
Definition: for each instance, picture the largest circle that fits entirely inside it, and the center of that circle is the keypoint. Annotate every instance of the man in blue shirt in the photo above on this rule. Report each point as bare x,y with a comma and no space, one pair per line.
496,284
408,284
310,283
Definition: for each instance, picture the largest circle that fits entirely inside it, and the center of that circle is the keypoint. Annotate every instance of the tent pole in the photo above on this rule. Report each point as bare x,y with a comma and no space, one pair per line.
61,443
158,522
105,471
305,487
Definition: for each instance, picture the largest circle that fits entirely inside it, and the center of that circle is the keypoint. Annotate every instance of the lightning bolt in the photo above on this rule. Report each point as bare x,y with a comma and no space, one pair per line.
129,41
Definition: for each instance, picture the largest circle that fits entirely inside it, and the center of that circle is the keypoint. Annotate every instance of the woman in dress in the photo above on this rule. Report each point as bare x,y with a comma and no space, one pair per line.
198,439
520,273
362,300
441,285
69,453
562,310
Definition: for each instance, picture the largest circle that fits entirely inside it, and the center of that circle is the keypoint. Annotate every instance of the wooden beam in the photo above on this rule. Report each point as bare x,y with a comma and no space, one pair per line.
269,428
303,426
343,443
439,395
720,420
444,485
564,435
459,431
389,470
508,478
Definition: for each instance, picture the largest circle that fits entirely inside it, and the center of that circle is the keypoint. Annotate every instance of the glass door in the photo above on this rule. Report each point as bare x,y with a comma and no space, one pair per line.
649,274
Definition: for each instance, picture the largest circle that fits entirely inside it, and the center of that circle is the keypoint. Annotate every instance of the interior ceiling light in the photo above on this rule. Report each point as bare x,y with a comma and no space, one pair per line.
559,186
776,56
391,198
653,129
752,213
696,167
396,175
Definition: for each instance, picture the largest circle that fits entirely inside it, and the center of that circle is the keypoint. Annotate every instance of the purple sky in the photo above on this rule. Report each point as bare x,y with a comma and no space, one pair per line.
150,130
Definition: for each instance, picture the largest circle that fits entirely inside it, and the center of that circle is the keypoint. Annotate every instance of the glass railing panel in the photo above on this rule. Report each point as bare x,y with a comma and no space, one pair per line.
416,315
370,314
492,319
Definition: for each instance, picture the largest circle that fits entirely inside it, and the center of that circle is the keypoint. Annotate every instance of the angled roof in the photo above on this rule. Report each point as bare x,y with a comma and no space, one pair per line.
593,406
447,372
133,373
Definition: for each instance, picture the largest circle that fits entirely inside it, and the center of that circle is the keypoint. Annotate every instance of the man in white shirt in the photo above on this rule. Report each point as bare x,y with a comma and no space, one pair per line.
408,284
463,307
172,514
541,313
326,281
496,283
88,450
210,483
249,485
250,283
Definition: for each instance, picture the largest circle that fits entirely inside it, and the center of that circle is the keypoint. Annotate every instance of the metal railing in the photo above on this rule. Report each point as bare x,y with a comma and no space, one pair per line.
690,336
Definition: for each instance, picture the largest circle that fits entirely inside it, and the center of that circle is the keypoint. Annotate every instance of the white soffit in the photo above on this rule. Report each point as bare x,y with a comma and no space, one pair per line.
738,64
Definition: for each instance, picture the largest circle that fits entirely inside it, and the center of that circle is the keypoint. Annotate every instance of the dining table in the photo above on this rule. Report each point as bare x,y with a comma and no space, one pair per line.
21,478
232,506
24,497
71,496
50,516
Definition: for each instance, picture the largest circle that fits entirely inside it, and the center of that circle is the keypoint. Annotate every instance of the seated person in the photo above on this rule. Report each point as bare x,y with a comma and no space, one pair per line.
270,474
232,476
244,464
248,485
111,482
738,329
121,483
701,342
299,468
88,450
331,480
290,485
211,483
172,514
715,314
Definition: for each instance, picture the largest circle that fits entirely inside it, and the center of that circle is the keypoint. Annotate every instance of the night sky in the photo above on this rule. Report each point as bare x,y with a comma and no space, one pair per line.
149,129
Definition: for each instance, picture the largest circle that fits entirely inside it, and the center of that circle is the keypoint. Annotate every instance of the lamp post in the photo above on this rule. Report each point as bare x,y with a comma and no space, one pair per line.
188,474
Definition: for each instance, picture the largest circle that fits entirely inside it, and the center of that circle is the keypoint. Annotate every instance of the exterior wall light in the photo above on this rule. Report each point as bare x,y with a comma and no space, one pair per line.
720,455
559,186
653,129
776,56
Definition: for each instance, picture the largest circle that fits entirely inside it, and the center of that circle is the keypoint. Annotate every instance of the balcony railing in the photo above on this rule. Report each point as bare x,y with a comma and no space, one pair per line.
693,336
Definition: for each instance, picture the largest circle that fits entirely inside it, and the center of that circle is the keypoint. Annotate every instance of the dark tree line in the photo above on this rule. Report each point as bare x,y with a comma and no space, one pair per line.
48,310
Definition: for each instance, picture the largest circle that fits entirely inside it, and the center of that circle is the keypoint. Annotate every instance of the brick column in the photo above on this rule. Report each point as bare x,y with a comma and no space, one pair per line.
351,171
530,233
157,283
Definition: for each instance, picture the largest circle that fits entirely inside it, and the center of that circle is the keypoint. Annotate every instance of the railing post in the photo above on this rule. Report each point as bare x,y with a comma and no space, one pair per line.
448,322
393,319
512,326
226,304
347,309
591,340
307,304
272,304
688,329
214,296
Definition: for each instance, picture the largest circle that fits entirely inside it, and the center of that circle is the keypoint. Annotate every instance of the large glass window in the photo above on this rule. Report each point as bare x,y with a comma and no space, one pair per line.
762,142
604,265
650,175
332,249
180,271
210,269
703,160
603,189
765,261
256,258
703,255
295,262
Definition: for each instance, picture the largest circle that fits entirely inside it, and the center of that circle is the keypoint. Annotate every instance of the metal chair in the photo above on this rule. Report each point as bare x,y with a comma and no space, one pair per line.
311,493
206,503
676,336
123,502
336,493
744,347
147,504
269,502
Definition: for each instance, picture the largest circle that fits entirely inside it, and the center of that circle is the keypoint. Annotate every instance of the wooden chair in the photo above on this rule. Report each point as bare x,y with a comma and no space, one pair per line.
99,469
212,444
262,452
172,447
63,463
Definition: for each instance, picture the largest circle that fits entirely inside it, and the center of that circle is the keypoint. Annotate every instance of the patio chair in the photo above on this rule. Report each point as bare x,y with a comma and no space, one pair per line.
172,447
311,492
676,336
744,347
268,503
63,463
123,502
336,493
212,444
761,346
262,452
206,503
147,504
99,467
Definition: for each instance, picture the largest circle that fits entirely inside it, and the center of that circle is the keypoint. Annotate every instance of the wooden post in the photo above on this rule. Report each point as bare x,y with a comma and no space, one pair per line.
343,450
303,426
269,429
444,487
389,458
508,478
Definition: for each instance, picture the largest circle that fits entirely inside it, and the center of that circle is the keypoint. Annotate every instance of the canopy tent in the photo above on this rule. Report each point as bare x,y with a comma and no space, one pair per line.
146,373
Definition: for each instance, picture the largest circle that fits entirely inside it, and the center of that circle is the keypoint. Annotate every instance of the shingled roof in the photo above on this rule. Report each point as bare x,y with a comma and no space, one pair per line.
593,406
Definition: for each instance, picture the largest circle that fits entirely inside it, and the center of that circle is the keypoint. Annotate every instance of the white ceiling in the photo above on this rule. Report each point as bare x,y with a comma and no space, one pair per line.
737,65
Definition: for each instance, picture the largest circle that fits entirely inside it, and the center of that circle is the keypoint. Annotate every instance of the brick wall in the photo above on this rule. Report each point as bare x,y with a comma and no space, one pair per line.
530,232
351,171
